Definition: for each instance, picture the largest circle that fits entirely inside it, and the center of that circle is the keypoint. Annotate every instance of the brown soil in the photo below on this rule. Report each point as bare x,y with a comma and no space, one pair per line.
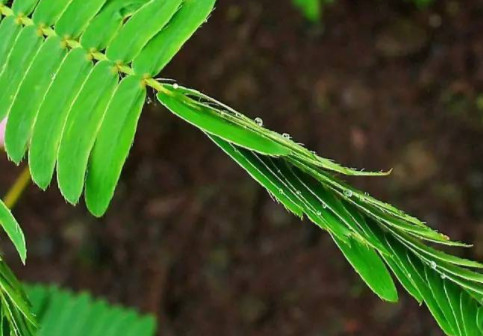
190,238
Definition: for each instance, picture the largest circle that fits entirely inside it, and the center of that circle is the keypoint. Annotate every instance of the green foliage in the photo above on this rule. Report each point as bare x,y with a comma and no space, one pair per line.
86,66
312,9
62,313
13,230
16,317
68,87
374,236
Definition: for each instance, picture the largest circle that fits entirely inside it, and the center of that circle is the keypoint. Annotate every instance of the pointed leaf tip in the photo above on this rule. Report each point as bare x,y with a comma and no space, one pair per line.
371,268
13,230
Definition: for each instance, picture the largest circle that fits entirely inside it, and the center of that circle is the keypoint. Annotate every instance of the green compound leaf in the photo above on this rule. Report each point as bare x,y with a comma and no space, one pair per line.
368,232
63,313
60,73
66,105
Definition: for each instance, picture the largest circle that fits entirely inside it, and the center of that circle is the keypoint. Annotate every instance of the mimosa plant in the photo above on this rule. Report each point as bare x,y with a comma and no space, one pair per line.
73,80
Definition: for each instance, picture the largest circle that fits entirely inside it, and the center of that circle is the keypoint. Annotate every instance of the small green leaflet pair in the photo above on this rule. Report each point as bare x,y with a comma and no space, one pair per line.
76,74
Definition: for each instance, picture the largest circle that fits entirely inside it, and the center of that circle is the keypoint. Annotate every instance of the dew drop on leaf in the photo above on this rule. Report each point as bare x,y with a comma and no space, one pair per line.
432,264
175,86
286,135
259,121
348,193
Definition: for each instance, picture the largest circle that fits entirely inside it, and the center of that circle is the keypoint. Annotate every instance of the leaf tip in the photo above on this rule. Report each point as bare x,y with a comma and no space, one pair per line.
96,208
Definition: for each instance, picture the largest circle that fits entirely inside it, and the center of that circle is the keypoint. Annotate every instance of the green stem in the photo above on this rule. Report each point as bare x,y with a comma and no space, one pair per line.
16,191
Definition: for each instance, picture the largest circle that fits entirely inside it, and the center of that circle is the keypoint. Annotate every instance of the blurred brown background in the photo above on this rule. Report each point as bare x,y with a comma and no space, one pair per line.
191,238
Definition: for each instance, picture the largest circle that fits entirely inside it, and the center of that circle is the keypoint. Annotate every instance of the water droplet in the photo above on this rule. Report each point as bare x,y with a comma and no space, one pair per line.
443,276
324,205
319,213
348,193
149,100
299,192
280,190
259,121
175,86
286,135
432,264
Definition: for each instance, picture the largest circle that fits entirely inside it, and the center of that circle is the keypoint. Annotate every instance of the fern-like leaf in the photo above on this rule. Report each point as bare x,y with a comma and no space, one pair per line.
373,236
86,66
61,312
63,65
